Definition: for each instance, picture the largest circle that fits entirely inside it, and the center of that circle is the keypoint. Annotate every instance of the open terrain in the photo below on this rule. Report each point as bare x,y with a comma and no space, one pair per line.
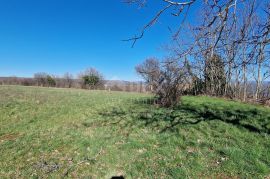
53,133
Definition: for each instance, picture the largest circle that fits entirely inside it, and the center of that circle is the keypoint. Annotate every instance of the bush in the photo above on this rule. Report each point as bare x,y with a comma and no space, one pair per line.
168,80
92,79
51,81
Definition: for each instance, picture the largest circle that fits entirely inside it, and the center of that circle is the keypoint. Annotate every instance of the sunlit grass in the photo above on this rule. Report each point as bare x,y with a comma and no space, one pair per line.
47,132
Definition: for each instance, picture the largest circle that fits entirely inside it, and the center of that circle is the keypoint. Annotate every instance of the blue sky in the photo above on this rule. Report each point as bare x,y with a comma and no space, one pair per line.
58,36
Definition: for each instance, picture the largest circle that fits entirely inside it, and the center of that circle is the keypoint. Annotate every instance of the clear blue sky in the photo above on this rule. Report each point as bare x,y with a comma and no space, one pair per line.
58,36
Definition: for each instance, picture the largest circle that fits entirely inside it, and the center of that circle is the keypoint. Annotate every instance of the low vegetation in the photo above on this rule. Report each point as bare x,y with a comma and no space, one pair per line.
49,132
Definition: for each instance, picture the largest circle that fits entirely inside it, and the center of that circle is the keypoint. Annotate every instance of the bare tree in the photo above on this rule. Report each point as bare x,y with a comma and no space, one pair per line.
220,11
41,78
68,80
168,79
236,31
150,72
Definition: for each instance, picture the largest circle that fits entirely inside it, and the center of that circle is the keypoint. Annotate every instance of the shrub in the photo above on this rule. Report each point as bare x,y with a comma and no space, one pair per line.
92,79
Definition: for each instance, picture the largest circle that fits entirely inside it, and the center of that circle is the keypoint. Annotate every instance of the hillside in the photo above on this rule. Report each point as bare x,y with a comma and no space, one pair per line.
50,132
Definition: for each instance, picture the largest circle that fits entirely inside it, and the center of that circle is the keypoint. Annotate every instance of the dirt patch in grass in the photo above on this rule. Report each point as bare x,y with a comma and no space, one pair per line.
223,176
47,167
9,137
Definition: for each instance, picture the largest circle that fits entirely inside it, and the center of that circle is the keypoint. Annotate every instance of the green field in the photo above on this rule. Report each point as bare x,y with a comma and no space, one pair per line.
55,133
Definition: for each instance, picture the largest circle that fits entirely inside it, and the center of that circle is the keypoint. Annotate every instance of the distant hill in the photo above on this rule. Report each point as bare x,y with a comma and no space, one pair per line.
114,85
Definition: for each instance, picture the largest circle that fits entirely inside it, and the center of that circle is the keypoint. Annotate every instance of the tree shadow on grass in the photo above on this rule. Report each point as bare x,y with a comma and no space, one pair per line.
163,120
168,120
253,120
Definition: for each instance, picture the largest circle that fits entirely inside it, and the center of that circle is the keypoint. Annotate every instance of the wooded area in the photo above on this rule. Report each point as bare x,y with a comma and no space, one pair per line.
226,54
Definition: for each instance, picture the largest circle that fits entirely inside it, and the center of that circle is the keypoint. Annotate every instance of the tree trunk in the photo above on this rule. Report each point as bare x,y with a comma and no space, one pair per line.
259,78
258,85
245,82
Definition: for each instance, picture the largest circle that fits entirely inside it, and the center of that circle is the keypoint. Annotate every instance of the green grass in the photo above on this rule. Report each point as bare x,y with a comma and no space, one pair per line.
54,133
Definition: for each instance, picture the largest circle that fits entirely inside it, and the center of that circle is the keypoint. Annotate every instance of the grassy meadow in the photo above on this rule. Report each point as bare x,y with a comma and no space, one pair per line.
72,133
